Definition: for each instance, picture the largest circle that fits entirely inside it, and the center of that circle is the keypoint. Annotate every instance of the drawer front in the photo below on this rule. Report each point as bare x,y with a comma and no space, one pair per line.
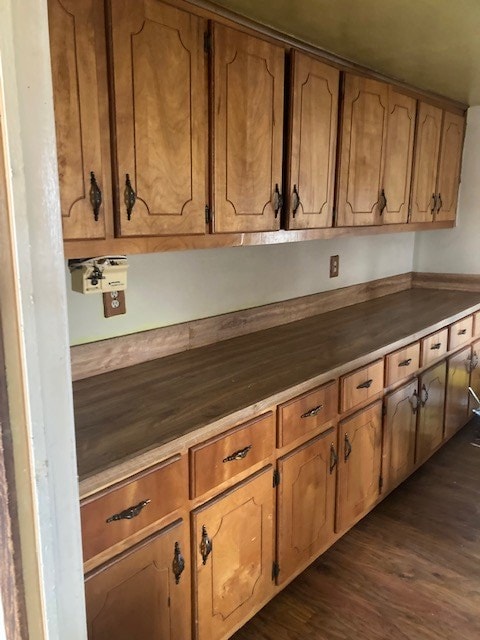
307,413
460,332
131,506
434,347
359,386
224,457
476,324
402,363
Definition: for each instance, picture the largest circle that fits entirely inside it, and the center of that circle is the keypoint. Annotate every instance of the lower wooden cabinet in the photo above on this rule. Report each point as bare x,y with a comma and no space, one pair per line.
143,594
306,503
359,465
474,374
430,412
400,422
458,379
233,541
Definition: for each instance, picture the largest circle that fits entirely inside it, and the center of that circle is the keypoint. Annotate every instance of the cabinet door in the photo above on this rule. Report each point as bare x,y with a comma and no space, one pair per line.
312,143
306,503
248,131
458,379
430,413
359,466
78,55
160,117
364,124
427,146
398,157
234,578
474,376
400,423
143,594
449,166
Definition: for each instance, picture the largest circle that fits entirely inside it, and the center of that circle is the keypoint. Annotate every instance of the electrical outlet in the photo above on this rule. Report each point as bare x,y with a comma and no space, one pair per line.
114,304
334,266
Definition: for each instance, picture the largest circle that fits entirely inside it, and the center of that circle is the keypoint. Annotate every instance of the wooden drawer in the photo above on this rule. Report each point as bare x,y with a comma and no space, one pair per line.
225,456
359,386
460,332
402,363
434,347
307,413
476,324
163,489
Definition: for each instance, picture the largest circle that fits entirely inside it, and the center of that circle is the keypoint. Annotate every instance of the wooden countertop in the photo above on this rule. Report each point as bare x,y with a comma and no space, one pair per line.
125,413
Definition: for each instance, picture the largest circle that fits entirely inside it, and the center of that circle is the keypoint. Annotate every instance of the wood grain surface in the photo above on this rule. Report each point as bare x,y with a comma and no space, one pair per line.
123,413
408,571
124,351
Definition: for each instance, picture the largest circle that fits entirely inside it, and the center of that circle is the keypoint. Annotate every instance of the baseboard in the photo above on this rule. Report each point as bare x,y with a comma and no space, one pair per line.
452,281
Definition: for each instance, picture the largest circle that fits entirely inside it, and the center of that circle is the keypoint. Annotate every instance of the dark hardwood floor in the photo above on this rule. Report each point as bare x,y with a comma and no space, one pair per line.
410,570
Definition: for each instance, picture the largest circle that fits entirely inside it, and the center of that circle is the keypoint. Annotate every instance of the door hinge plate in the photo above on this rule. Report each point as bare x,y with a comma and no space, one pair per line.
208,215
276,477
207,42
380,483
275,570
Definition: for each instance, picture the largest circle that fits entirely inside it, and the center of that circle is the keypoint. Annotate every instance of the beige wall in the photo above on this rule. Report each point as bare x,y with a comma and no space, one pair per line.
458,250
168,288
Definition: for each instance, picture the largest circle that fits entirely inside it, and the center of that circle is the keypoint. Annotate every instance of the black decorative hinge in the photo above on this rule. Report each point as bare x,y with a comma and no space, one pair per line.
207,42
380,483
276,477
384,409
208,216
275,570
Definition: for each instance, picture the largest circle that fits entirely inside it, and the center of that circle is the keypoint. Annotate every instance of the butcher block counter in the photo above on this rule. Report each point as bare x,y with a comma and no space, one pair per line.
127,418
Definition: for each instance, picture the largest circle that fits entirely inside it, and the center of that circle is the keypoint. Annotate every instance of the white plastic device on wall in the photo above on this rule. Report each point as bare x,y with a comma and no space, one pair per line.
102,274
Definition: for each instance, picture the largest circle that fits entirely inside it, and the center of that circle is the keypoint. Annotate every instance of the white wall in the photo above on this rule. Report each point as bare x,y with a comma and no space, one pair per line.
168,288
458,250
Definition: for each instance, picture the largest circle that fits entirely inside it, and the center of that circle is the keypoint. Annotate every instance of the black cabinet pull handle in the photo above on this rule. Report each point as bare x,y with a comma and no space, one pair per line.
178,564
95,196
206,545
440,202
405,363
130,197
277,201
238,455
433,203
436,346
382,201
462,332
348,448
128,514
424,392
295,200
333,458
365,385
312,412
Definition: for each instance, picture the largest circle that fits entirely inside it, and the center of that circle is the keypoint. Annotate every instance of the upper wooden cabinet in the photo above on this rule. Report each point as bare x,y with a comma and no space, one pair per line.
160,106
378,126
436,173
312,143
78,55
248,96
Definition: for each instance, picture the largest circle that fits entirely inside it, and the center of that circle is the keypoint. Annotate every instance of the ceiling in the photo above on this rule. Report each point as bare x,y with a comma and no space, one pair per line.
430,44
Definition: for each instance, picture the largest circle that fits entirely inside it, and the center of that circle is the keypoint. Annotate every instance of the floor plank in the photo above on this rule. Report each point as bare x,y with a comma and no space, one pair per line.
410,570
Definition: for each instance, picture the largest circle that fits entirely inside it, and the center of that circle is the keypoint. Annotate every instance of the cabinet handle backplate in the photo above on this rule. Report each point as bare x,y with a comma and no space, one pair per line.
295,200
405,363
312,412
462,332
382,202
439,202
128,514
178,564
95,196
238,455
365,385
277,201
423,395
433,203
415,402
333,458
130,197
206,545
348,448
436,346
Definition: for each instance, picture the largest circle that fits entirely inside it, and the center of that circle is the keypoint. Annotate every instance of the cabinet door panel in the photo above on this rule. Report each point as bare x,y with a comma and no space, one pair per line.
237,575
136,597
306,503
449,166
364,120
78,56
458,379
160,116
430,413
398,156
360,459
313,143
248,131
400,429
427,146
